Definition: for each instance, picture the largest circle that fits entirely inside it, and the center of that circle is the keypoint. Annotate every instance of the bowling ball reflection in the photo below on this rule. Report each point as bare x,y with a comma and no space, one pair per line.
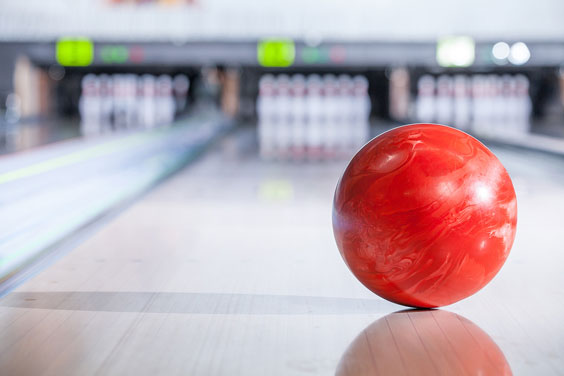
423,343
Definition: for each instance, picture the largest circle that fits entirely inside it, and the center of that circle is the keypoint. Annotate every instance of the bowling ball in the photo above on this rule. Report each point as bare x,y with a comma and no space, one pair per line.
424,215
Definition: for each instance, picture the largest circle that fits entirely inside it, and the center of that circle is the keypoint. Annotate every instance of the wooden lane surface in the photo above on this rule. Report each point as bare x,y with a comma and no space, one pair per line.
230,268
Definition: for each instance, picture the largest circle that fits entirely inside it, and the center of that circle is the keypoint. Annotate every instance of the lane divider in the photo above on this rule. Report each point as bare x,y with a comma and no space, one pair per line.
89,153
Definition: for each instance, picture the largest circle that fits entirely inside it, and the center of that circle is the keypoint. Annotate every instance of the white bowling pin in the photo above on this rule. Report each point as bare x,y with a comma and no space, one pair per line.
106,102
266,114
131,101
462,102
298,108
180,85
479,98
283,130
164,100
330,107
523,104
90,105
315,116
347,115
147,101
120,102
363,108
445,100
425,102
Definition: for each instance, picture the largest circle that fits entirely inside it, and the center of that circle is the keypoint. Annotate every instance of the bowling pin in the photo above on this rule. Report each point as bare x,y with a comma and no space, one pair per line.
399,93
90,105
507,90
181,85
120,102
362,111
345,135
164,100
106,102
496,101
444,100
523,105
130,82
283,131
266,113
298,108
462,102
147,101
489,105
479,118
315,116
330,107
425,103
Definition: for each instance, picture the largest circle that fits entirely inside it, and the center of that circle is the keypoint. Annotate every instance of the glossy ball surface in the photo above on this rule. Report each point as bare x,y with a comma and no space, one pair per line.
424,215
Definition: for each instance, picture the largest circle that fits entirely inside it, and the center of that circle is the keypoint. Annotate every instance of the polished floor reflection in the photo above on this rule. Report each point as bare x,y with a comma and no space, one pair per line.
426,342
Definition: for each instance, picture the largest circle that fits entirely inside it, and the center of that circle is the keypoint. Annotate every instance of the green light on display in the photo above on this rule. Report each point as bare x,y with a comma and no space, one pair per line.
74,52
114,54
311,55
456,51
276,52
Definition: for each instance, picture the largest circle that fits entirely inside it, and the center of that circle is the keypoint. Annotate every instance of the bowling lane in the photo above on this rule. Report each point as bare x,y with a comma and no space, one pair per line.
230,267
82,179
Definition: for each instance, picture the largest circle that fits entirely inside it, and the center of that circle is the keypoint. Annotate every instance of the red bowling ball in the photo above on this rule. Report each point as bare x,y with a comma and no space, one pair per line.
424,215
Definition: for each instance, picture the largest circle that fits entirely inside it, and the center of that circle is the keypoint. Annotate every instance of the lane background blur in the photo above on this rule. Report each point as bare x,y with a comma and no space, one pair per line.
131,38
230,267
